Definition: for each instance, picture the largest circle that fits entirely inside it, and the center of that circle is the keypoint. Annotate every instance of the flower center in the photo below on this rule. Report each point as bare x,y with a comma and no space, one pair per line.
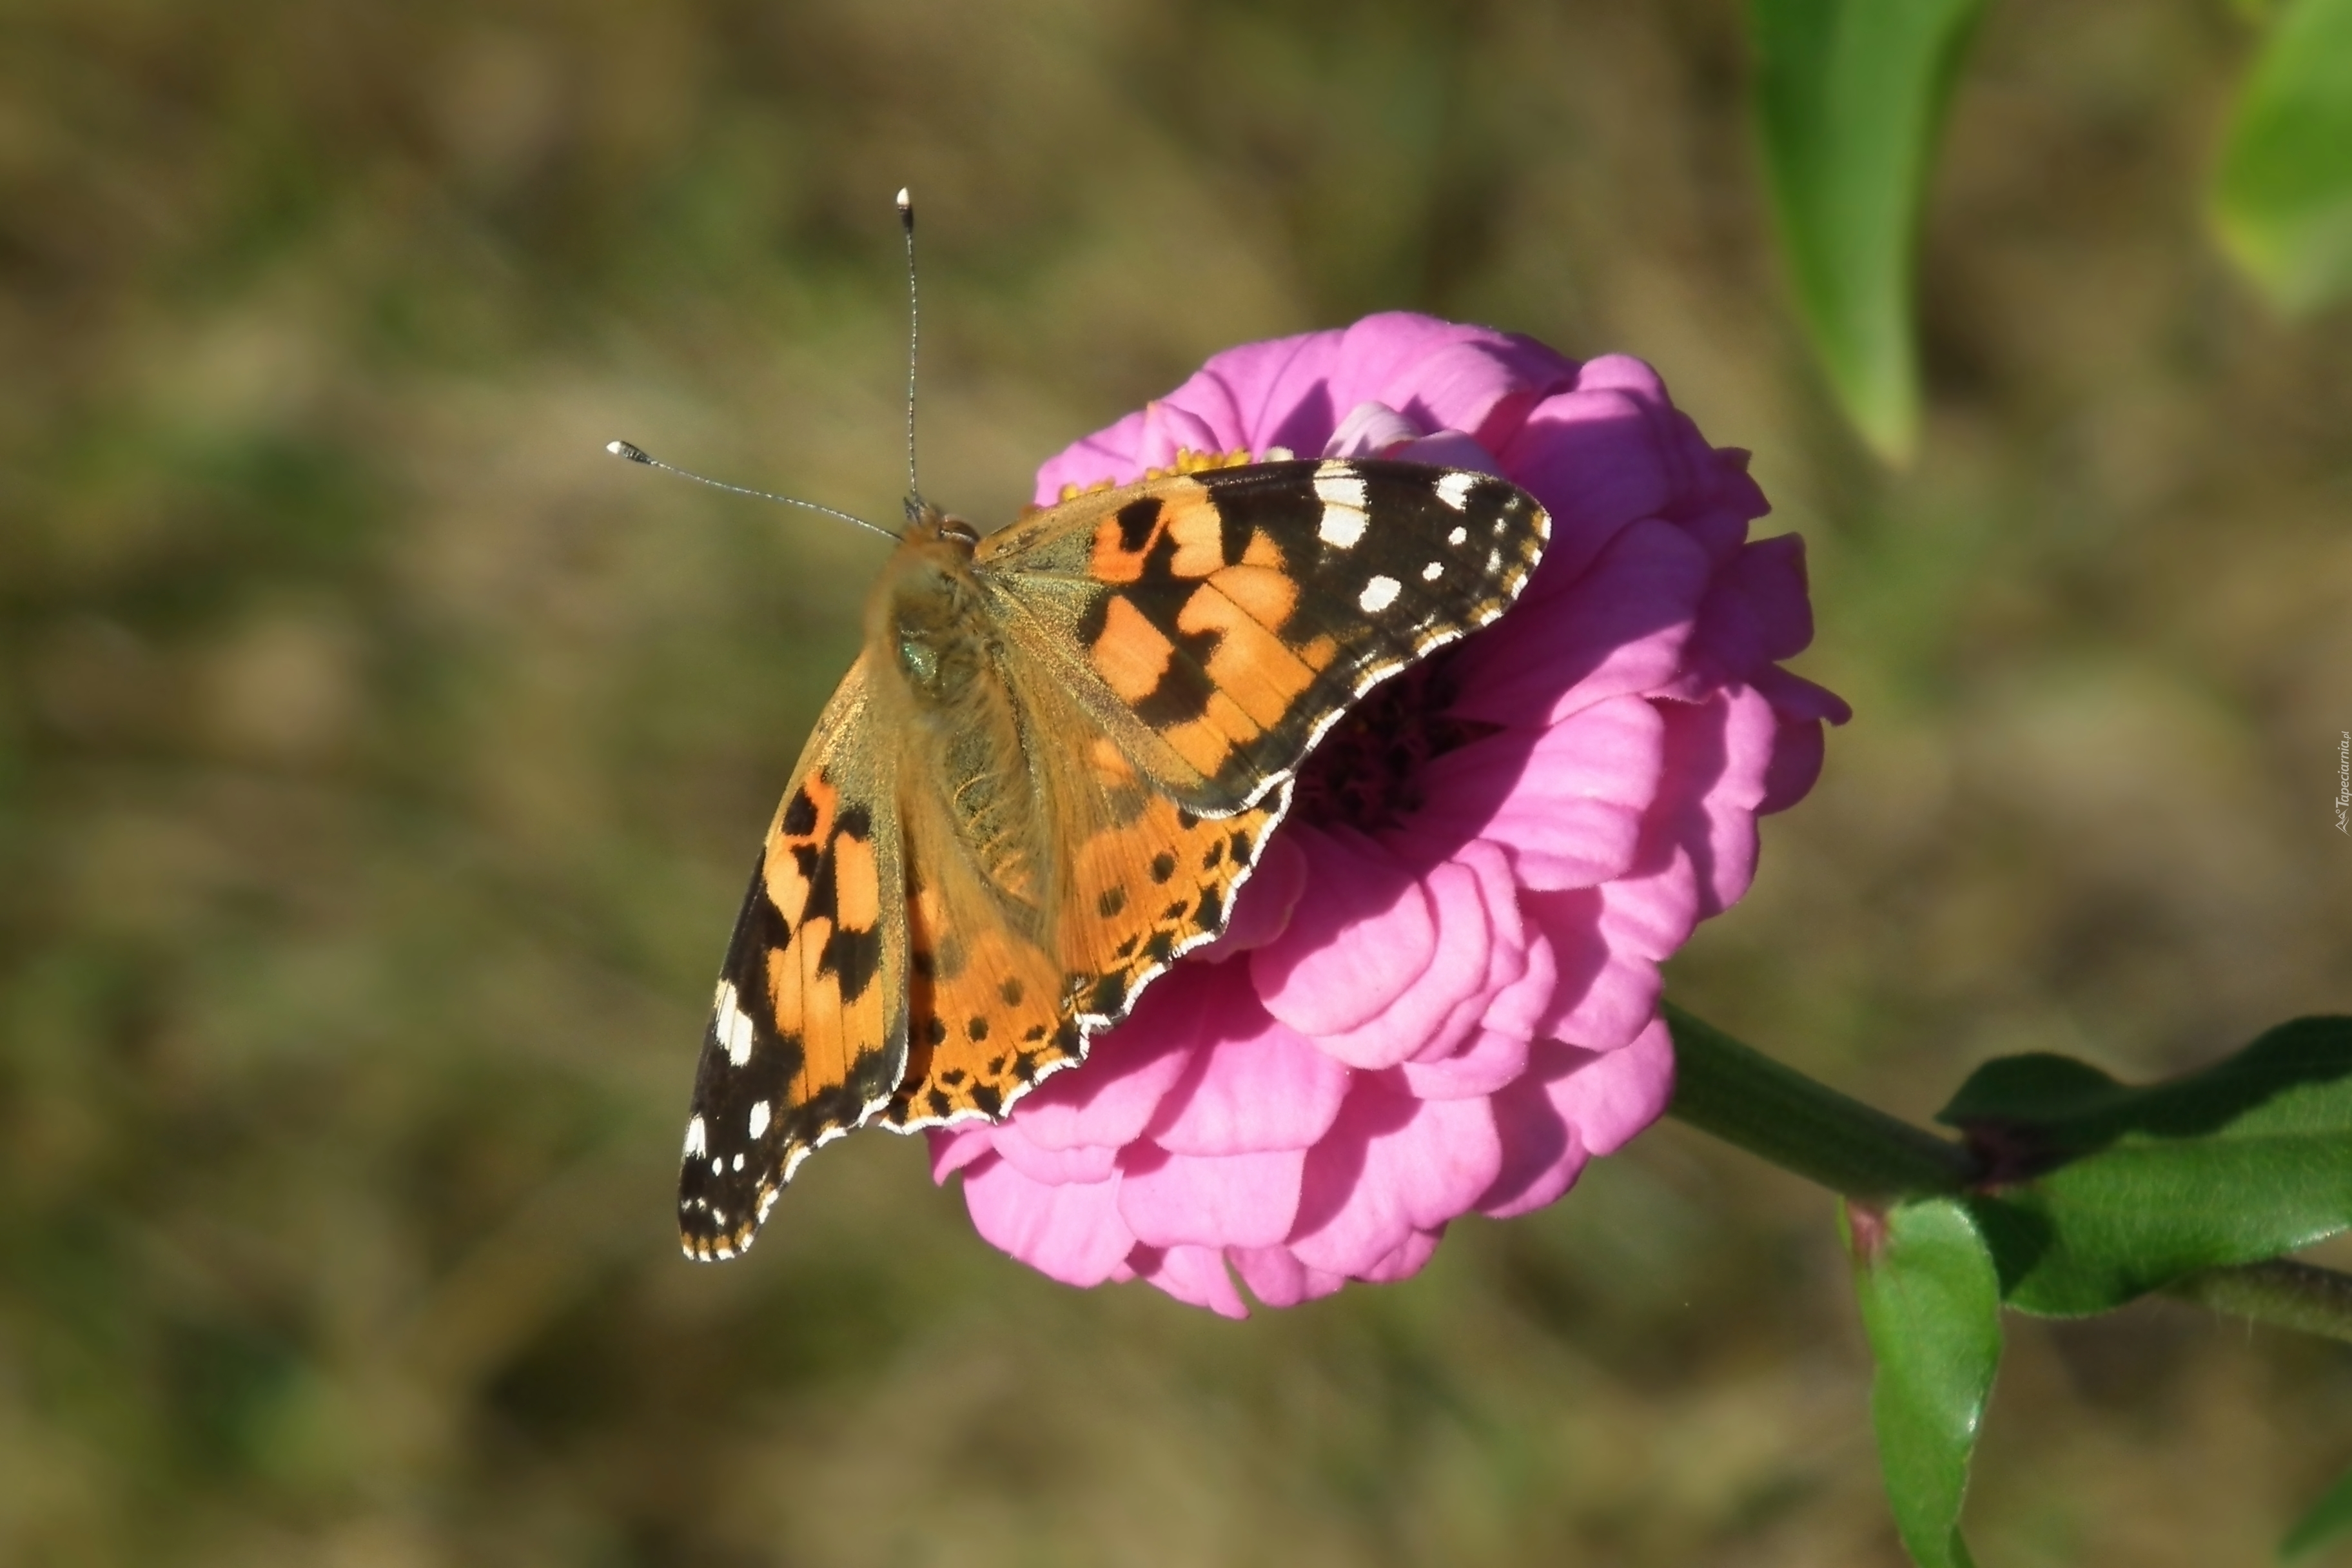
1368,771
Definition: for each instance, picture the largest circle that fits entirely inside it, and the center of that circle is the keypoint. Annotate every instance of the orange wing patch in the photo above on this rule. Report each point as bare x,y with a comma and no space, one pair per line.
992,1013
986,1017
806,1029
1217,674
1151,889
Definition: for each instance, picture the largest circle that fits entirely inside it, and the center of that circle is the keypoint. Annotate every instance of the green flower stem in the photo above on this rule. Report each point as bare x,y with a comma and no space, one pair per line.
2281,1291
1778,1114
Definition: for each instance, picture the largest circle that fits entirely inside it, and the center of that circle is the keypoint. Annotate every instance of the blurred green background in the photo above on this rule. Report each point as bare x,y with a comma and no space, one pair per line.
378,762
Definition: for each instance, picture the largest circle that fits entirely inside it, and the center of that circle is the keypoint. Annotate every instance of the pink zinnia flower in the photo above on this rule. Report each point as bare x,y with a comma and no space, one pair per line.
1439,992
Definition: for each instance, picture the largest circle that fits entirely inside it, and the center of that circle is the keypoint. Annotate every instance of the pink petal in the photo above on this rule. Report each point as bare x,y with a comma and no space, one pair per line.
1407,1259
1107,1102
1521,1004
1617,630
1507,961
953,1148
1443,376
1072,1232
1195,1275
1621,372
1717,755
1080,1163
1803,708
1483,386
1591,458
1276,1277
1450,450
1609,942
1391,1165
1362,938
1542,1154
1314,985
1568,800
1771,573
1796,767
1754,613
1256,1085
1369,431
1614,1098
1281,392
1571,1105
1148,439
1230,1200
1262,908
1290,392
1488,1062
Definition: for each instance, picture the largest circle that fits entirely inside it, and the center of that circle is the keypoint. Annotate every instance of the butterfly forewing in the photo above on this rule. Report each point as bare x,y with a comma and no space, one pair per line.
808,1028
1232,614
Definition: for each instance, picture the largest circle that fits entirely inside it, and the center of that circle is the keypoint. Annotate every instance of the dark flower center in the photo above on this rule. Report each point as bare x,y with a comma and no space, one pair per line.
1369,771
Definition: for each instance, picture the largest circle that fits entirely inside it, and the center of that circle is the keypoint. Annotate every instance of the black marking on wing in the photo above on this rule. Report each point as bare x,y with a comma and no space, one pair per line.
1408,526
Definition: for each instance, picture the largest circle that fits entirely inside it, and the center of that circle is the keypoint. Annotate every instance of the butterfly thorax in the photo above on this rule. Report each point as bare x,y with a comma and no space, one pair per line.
925,611
939,663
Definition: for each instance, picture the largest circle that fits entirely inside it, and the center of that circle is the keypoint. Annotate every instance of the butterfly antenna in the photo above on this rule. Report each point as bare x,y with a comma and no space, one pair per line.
637,454
914,340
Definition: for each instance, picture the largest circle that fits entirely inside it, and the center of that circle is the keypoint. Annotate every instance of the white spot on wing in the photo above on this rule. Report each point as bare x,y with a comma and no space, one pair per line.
697,1140
760,1121
1341,491
733,1023
1432,572
1338,483
1457,536
1379,595
739,1161
1455,489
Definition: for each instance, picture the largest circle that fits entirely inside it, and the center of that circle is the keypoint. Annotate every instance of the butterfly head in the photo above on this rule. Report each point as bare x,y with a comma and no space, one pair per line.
926,524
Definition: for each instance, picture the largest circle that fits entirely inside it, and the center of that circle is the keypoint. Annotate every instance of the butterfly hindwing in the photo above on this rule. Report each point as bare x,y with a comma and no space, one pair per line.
1150,881
986,1008
1141,881
807,1034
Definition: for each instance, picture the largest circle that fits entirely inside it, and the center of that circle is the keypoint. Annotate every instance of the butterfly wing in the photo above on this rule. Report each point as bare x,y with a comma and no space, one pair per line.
1215,624
999,1003
808,1030
1179,645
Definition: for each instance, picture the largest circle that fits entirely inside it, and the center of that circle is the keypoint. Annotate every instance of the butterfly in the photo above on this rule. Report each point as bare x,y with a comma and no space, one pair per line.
1054,762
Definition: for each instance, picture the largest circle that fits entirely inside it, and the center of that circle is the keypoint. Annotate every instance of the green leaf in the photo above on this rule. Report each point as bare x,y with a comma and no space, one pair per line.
1931,1306
2329,1519
2283,197
1851,95
2098,1193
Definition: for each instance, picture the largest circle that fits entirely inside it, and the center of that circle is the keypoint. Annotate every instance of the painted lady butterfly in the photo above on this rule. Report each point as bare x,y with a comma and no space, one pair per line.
1044,778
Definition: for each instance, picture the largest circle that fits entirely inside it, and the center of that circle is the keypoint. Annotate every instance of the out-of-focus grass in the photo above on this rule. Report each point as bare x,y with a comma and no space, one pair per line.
378,764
